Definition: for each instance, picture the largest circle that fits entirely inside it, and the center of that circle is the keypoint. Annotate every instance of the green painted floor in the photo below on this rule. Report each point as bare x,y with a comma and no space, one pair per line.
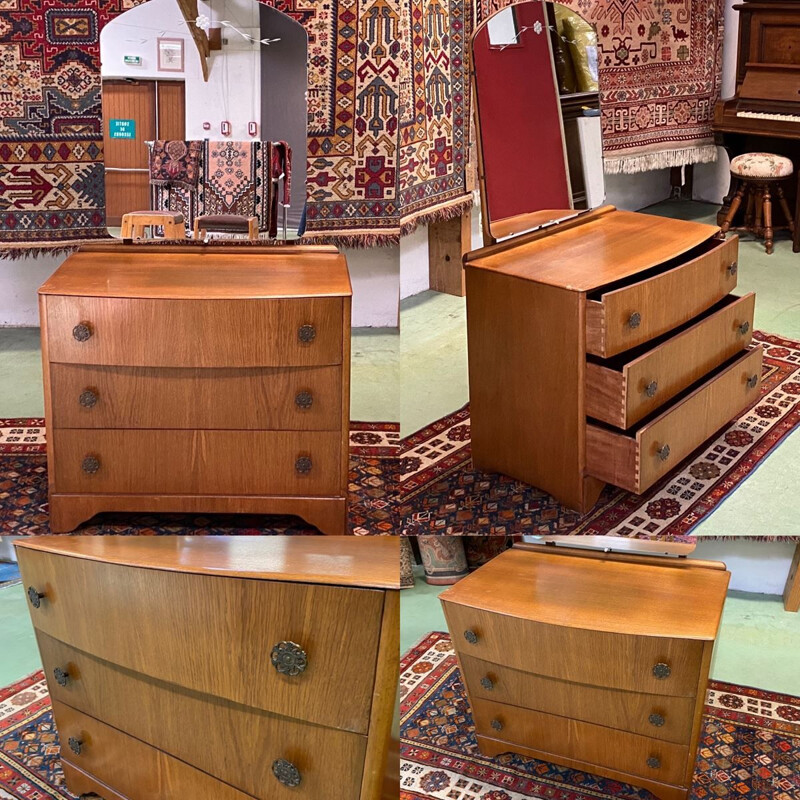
18,655
758,644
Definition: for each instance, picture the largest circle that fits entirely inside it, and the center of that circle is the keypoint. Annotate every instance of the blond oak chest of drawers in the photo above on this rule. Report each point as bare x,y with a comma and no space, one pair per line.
198,379
226,668
589,661
605,349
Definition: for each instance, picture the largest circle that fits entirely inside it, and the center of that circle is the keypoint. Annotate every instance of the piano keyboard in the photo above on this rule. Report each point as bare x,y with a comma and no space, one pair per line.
762,115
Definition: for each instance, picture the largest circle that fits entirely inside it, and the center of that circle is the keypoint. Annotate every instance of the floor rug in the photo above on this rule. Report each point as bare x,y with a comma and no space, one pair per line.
23,491
440,492
749,746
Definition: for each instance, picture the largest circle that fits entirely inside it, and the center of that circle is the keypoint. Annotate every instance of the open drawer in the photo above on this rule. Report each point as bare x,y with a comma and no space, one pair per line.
635,460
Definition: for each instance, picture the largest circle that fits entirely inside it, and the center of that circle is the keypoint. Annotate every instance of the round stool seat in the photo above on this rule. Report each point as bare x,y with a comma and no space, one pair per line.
224,223
761,165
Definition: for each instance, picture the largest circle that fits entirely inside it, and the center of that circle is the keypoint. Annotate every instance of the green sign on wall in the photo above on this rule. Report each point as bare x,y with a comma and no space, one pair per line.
122,128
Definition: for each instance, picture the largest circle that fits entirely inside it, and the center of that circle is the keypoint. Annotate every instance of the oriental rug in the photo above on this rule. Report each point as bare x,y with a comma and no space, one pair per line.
23,491
440,492
749,745
660,73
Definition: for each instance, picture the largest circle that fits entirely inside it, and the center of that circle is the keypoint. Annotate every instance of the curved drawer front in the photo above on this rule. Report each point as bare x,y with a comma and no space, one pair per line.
132,769
196,462
636,461
629,316
655,716
623,392
232,743
218,635
276,398
224,333
572,654
595,744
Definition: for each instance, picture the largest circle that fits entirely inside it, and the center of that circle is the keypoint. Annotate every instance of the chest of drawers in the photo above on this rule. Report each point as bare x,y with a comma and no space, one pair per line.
591,661
605,349
230,667
198,379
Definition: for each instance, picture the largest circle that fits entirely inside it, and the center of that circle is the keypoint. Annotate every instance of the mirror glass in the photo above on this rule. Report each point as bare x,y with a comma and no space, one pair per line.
537,110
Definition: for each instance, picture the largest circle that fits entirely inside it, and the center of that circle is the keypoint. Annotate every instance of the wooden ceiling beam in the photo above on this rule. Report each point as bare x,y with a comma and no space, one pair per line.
190,13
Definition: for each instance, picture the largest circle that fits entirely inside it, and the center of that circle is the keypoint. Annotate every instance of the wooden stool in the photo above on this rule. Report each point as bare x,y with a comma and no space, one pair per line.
756,173
135,222
232,224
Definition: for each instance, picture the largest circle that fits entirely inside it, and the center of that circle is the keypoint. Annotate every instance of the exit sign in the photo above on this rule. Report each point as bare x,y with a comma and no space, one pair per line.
133,61
122,128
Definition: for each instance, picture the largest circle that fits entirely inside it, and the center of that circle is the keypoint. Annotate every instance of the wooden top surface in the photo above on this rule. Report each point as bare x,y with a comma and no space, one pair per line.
592,250
372,562
198,272
598,594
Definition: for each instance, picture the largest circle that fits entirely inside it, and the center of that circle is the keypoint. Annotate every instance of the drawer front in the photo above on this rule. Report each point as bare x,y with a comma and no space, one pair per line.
194,333
233,744
276,398
196,462
131,768
635,462
595,744
621,395
634,314
189,629
654,716
571,654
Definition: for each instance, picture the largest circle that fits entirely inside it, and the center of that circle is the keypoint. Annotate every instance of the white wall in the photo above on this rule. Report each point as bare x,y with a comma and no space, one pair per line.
375,276
19,281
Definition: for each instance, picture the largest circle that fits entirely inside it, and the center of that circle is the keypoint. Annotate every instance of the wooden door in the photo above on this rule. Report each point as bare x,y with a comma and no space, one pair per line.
136,112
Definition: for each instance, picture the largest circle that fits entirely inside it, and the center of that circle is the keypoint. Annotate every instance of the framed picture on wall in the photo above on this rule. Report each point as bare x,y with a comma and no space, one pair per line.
170,55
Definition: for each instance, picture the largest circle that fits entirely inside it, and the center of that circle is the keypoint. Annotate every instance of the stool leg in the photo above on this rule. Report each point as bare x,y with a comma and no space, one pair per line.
735,203
126,231
750,213
784,207
768,219
252,228
758,229
196,230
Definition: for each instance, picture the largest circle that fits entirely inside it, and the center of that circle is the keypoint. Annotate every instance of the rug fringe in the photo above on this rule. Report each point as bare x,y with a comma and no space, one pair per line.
353,241
456,208
36,251
645,162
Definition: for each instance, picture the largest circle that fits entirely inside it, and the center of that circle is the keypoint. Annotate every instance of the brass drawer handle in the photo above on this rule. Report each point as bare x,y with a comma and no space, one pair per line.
62,677
82,332
76,745
733,268
306,333
752,382
487,683
651,388
663,452
289,658
635,320
653,762
303,465
662,670
35,597
656,720
497,725
286,772
744,328
471,637
88,398
90,464
304,400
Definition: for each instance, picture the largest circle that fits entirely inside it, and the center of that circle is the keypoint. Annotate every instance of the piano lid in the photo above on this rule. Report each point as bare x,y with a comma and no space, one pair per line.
770,87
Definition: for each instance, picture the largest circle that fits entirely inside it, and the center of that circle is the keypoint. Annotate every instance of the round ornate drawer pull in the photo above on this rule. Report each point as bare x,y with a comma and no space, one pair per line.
306,333
744,328
88,399
662,671
471,637
653,762
304,400
303,465
487,683
82,332
733,267
651,388
90,464
62,677
635,320
752,382
497,725
286,772
76,745
35,597
656,720
663,452
289,658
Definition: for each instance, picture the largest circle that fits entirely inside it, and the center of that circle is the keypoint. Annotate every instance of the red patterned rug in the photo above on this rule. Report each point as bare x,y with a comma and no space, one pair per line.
440,492
749,746
23,491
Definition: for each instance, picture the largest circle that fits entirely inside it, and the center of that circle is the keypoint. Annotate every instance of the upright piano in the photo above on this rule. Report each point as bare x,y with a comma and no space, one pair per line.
764,114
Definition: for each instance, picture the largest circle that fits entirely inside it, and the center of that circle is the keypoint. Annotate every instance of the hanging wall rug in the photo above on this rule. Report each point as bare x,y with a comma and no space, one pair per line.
660,73
440,492
23,491
388,113
749,744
